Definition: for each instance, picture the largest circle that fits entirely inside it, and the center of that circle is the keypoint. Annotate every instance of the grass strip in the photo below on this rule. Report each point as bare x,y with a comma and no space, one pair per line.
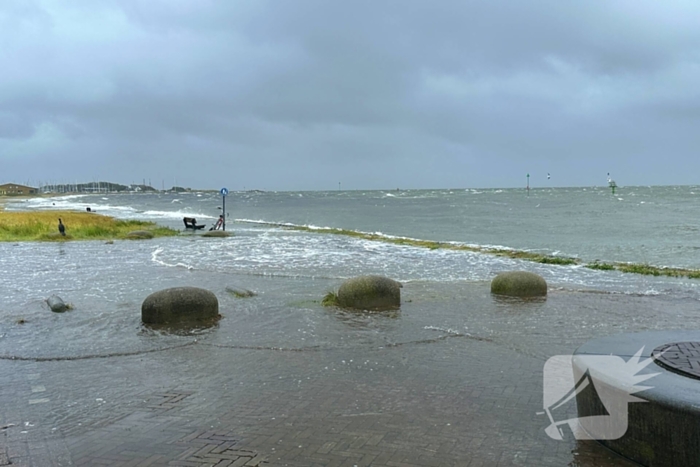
330,299
632,268
43,226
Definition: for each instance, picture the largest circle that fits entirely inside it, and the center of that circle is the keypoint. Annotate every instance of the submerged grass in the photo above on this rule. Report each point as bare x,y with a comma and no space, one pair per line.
331,299
644,269
43,226
240,293
601,266
529,256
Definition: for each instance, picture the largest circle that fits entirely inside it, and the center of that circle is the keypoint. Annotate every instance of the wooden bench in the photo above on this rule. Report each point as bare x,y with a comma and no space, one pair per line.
191,223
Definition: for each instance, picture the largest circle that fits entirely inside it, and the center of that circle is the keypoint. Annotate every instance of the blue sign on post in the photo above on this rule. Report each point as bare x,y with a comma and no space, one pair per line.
224,192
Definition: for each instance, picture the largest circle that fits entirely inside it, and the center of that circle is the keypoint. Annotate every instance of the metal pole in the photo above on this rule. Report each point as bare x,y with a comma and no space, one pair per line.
224,212
528,184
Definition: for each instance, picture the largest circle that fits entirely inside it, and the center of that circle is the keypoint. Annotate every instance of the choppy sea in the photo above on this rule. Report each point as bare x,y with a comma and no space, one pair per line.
291,270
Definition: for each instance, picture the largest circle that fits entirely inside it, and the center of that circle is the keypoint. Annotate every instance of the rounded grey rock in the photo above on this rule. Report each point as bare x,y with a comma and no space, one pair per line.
374,293
519,284
240,293
216,233
180,305
56,304
139,235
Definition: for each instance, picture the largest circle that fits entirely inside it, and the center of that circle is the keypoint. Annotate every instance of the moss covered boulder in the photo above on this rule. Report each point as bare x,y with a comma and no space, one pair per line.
519,284
139,235
216,233
180,305
374,293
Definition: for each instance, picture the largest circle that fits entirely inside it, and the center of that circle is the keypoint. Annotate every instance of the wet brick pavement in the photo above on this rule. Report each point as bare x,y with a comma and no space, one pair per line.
466,402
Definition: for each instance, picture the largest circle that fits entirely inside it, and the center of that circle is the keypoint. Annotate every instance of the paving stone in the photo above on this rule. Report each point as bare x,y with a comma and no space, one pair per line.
467,403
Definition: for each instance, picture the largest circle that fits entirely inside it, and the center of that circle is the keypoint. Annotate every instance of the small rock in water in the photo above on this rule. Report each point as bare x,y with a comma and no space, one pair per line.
240,293
56,304
216,233
139,235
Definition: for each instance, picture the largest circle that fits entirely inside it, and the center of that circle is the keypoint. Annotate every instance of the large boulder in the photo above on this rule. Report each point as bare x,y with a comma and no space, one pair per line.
374,293
519,284
139,235
57,304
216,233
180,305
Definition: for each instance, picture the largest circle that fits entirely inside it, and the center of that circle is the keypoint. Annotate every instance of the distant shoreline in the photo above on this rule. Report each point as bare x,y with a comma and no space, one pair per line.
5,198
533,189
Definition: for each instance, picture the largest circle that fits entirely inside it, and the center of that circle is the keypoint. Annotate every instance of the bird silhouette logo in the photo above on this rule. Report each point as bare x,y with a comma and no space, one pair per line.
605,382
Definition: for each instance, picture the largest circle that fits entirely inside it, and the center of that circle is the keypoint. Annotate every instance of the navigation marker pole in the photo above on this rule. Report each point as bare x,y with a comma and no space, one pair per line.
611,184
528,184
224,192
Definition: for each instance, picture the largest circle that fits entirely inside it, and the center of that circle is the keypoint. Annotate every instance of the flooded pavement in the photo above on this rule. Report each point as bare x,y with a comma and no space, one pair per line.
453,378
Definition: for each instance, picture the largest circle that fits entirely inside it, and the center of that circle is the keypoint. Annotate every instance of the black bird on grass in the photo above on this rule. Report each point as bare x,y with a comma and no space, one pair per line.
61,227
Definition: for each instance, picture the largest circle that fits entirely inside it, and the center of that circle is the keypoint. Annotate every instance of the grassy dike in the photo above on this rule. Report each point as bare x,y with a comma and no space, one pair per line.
632,268
18,226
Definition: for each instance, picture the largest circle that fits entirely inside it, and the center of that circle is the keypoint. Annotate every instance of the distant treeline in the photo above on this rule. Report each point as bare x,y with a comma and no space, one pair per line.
101,187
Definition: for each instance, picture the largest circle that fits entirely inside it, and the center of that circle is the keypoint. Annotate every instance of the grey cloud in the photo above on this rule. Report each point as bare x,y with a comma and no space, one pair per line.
293,94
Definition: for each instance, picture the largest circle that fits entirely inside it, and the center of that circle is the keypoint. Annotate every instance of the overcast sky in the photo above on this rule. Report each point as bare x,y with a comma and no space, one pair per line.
304,95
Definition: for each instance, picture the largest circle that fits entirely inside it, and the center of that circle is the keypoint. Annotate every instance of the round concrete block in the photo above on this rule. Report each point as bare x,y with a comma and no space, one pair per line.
374,293
180,305
519,284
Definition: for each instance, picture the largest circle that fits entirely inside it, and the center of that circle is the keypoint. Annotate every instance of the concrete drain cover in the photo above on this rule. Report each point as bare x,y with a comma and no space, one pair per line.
680,357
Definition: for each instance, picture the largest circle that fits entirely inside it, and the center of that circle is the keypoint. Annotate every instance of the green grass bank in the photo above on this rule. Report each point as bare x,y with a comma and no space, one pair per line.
17,226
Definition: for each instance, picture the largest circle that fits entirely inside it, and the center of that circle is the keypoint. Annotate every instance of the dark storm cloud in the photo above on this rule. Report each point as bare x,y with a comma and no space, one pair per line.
306,94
